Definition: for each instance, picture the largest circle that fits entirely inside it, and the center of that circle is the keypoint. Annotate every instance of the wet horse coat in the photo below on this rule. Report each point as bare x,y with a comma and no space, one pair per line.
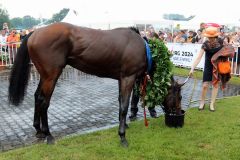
117,54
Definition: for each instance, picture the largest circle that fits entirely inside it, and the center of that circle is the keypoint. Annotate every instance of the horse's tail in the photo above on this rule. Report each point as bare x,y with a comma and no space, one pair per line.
20,74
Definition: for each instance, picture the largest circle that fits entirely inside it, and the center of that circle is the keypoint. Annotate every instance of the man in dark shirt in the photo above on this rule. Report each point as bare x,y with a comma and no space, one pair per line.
23,34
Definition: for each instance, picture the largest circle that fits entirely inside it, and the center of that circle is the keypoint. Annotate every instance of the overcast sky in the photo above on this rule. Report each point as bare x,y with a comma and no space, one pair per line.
223,10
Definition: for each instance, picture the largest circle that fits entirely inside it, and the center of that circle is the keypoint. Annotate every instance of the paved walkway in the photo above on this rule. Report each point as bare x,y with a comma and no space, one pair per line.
80,103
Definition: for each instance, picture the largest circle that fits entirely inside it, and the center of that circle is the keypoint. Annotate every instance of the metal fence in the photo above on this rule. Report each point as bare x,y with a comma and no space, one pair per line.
236,62
9,51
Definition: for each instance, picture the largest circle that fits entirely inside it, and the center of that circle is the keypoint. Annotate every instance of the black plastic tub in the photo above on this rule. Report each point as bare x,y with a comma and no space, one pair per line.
173,120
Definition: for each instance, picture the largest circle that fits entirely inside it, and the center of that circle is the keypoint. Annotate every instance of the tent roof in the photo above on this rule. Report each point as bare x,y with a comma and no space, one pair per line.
102,20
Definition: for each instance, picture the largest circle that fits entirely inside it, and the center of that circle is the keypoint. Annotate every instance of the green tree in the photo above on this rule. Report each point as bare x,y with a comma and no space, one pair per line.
29,22
58,17
16,22
4,17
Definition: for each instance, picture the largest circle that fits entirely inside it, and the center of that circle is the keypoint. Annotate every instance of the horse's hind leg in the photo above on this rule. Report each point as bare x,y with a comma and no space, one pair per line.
37,118
43,100
126,85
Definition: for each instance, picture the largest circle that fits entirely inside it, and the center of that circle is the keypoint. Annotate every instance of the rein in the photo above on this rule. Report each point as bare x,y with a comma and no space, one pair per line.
143,93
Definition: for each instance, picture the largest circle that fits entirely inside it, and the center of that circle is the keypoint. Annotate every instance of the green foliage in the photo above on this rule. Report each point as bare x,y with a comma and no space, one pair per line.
4,57
4,17
16,22
29,22
25,22
157,89
58,17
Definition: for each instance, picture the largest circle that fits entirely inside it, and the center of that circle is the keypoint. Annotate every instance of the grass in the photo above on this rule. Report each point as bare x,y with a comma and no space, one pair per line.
199,74
205,135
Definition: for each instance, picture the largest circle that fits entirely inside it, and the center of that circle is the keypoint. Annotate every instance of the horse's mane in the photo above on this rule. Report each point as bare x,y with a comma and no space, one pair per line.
135,29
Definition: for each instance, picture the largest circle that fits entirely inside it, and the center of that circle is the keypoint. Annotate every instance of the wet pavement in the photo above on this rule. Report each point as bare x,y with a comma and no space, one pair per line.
80,103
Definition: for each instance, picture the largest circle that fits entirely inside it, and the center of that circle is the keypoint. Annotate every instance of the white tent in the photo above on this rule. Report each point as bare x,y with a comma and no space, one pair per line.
109,21
83,18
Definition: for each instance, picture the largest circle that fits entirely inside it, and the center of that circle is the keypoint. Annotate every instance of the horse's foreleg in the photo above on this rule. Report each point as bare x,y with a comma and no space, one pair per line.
126,86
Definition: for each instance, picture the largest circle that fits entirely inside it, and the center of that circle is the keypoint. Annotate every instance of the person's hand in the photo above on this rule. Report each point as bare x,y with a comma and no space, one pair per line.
190,74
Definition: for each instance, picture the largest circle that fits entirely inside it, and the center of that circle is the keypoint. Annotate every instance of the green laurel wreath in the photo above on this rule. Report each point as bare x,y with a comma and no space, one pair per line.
156,90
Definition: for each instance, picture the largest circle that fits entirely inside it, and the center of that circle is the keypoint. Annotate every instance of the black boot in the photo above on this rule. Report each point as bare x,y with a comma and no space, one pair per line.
152,112
134,103
133,116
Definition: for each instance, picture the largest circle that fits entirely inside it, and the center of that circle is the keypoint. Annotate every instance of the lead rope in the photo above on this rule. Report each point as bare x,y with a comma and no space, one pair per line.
143,91
194,86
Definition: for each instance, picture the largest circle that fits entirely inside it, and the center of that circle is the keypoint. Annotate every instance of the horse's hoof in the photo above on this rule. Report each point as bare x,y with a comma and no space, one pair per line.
40,135
124,143
50,139
126,126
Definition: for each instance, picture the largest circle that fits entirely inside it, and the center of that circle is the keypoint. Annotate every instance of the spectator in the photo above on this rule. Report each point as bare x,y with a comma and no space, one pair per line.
154,35
222,34
3,41
226,40
169,37
209,48
143,35
199,37
12,39
191,38
148,35
23,34
180,37
161,36
235,41
5,27
202,26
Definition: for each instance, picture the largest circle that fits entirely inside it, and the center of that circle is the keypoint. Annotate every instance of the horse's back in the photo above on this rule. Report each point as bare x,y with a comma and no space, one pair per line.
105,53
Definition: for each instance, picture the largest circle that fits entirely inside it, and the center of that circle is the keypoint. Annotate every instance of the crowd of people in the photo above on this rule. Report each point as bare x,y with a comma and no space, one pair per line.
190,36
9,40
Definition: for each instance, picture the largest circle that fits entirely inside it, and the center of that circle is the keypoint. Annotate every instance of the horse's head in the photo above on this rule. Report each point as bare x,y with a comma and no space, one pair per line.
172,101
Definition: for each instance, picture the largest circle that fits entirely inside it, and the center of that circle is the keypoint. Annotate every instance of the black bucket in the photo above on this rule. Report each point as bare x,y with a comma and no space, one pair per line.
173,120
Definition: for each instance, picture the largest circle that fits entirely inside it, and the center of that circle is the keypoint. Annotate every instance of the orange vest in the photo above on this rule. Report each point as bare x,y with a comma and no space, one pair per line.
13,39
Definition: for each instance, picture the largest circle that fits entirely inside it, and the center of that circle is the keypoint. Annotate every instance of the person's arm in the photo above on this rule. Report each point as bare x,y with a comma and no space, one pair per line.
196,61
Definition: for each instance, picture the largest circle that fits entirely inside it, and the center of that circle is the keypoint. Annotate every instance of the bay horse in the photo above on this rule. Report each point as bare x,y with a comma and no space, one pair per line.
118,54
